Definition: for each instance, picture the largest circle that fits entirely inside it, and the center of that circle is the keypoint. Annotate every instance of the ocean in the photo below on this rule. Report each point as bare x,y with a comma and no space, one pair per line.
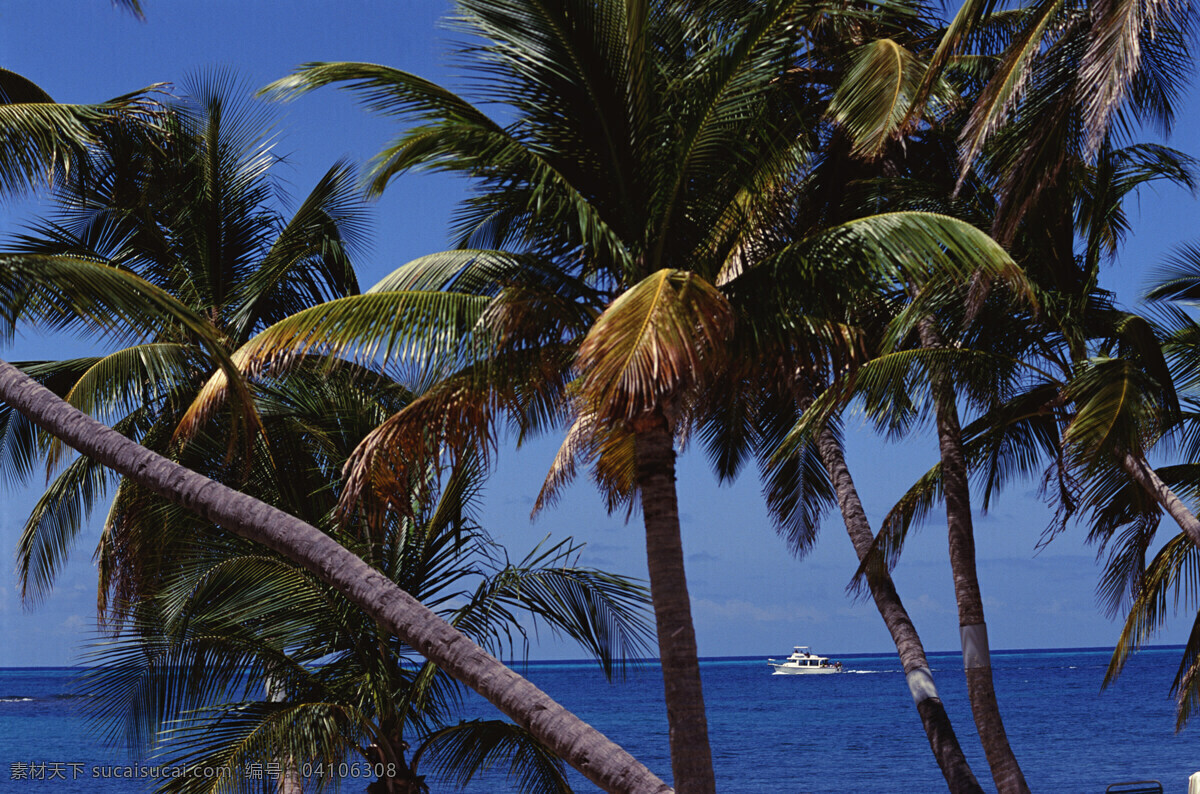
836,734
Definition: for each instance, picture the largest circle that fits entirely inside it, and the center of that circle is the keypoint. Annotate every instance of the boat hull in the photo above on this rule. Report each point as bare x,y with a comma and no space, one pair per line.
782,669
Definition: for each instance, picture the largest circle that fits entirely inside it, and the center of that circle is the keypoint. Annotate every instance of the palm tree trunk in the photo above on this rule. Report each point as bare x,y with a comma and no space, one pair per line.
1144,474
289,778
1006,772
942,739
576,742
691,758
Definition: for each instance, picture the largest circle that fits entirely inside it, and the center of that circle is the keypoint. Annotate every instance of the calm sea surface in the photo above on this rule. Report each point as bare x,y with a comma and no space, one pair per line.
855,732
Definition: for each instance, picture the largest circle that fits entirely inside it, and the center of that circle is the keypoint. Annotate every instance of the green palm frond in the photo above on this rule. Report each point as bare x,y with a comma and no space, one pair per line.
604,613
39,137
1125,569
893,387
1179,279
909,512
187,671
473,271
900,248
798,493
57,291
132,377
1171,580
425,332
460,752
383,89
218,626
727,87
283,738
1186,685
1118,174
1115,410
875,98
55,522
1012,440
309,261
727,430
457,137
970,19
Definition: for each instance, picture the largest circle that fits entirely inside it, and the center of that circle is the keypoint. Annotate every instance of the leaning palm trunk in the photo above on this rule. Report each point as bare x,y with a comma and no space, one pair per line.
576,742
942,739
691,758
977,663
1160,492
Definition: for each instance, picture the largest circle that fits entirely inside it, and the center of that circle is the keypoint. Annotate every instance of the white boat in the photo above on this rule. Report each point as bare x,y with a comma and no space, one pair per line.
804,662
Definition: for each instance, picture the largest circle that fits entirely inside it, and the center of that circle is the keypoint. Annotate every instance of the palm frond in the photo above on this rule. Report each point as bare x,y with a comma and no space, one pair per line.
651,343
310,260
604,613
426,332
1114,55
462,751
57,291
1172,579
1115,410
39,137
876,96
55,522
1004,89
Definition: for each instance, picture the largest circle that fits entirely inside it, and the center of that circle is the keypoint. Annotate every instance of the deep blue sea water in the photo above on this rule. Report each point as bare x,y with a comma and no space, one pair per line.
856,732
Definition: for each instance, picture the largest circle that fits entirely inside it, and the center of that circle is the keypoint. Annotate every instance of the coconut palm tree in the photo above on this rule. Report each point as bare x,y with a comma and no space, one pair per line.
242,659
232,274
800,484
1065,73
1092,391
193,220
183,206
1129,497
567,736
878,158
615,186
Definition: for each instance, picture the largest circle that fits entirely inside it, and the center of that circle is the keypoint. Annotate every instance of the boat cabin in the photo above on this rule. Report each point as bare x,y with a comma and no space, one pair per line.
803,657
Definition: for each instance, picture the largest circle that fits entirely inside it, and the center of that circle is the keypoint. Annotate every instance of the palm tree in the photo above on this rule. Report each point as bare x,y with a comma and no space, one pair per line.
1129,497
616,185
241,658
804,336
567,736
878,157
1090,392
1065,73
186,212
182,205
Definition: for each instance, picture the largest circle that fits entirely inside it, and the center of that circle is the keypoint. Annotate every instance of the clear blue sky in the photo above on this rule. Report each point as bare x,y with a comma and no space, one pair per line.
749,595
